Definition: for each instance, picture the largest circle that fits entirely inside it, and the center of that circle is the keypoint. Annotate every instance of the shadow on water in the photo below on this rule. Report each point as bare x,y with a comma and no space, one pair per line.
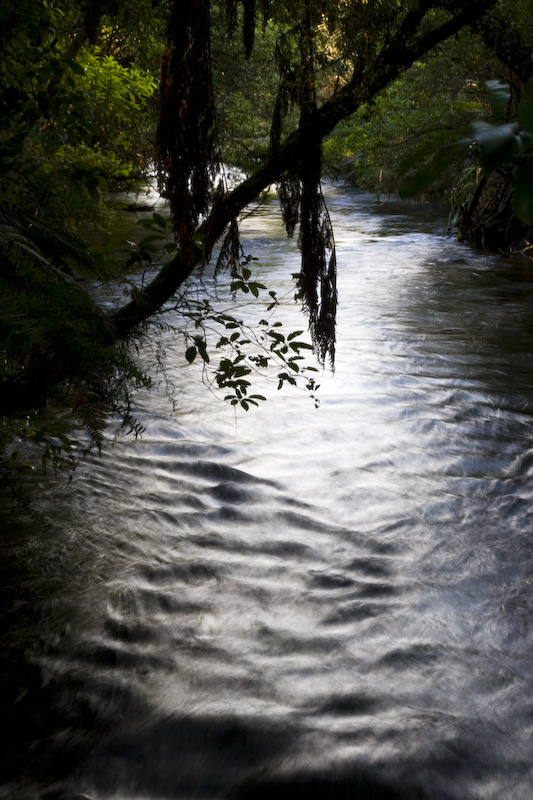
78,714
324,607
318,787
78,732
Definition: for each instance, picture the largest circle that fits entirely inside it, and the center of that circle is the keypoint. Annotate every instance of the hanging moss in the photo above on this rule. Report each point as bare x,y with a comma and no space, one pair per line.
187,152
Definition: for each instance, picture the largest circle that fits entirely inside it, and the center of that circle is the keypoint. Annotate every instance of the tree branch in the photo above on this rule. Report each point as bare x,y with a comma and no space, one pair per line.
409,45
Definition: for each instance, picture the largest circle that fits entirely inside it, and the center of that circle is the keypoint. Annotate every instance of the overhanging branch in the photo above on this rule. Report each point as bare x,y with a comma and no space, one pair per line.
395,58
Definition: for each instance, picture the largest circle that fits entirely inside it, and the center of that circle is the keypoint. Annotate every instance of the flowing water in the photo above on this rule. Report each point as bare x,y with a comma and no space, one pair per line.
299,603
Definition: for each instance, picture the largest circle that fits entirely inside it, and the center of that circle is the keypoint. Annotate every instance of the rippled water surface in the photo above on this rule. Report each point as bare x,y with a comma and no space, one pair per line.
300,603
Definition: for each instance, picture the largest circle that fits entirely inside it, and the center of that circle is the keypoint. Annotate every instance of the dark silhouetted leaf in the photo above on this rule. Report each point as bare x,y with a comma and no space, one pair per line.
497,143
499,96
523,194
191,353
525,107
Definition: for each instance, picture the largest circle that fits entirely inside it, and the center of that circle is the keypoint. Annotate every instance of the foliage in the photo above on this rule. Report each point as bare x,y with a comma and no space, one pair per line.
233,353
57,351
454,128
247,351
73,124
417,115
499,210
509,145
258,83
245,92
114,95
72,115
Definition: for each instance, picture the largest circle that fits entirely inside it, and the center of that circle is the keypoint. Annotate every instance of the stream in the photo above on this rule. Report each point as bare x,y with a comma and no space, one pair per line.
297,602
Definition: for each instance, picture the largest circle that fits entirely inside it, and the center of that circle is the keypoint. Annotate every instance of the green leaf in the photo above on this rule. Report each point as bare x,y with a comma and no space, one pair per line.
146,244
75,67
497,143
159,220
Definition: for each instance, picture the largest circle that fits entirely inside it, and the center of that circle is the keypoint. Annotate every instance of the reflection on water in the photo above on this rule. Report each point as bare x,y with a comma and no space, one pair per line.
330,603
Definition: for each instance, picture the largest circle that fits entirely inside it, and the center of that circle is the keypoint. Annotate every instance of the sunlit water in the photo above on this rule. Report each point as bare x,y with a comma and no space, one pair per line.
299,603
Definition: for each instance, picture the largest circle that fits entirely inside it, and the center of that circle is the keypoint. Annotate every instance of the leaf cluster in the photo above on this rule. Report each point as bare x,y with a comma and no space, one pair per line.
248,352
233,354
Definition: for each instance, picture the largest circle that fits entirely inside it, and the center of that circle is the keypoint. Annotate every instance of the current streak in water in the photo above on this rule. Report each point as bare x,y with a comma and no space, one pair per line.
331,603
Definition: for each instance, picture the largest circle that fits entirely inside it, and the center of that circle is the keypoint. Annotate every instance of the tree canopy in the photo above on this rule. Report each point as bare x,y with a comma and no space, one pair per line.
378,42
93,95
